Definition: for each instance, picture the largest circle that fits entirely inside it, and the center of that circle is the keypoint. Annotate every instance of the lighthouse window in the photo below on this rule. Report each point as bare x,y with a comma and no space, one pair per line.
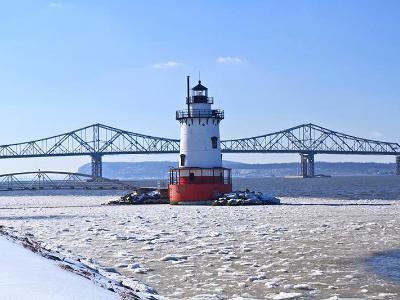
183,156
214,142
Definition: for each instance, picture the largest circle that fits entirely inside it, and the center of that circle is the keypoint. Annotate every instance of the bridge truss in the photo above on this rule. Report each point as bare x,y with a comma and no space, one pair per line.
98,140
51,180
95,140
310,138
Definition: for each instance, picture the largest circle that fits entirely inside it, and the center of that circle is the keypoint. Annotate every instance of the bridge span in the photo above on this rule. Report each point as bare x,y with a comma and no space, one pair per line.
53,180
98,140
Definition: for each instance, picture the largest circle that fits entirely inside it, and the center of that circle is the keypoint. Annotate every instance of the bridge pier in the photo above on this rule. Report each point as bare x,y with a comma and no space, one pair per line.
398,165
307,165
311,168
97,165
303,165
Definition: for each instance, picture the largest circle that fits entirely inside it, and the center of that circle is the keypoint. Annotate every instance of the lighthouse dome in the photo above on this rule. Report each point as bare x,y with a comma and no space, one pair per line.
199,87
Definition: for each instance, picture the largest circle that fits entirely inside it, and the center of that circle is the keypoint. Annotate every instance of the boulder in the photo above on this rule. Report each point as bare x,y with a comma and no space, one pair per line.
245,198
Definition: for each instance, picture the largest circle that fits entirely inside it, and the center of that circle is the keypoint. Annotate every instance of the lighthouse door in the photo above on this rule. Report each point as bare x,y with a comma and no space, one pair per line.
191,177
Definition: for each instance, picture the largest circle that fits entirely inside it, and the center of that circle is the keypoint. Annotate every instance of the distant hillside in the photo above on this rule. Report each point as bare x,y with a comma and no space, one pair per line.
159,169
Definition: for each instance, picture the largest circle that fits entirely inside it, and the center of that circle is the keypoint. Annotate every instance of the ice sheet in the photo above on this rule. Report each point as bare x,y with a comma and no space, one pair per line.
313,247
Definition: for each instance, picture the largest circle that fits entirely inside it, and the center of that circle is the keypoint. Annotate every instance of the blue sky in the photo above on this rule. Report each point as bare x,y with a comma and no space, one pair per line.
269,64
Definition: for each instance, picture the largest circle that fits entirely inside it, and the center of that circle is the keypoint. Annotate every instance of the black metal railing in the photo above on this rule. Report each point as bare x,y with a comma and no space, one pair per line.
200,113
200,99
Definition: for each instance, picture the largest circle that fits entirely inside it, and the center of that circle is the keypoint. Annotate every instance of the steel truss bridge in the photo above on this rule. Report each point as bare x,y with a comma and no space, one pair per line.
98,140
50,180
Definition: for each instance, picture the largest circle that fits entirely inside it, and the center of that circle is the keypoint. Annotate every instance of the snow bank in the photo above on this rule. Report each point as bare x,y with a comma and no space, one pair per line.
107,278
25,275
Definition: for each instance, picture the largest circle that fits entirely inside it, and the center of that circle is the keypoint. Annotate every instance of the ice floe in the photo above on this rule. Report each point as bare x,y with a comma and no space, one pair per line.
256,252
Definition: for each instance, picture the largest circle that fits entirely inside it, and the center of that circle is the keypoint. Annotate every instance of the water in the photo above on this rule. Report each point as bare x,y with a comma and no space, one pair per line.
386,264
346,188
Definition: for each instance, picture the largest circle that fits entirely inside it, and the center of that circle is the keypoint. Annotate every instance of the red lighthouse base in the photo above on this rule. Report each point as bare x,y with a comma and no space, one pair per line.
198,185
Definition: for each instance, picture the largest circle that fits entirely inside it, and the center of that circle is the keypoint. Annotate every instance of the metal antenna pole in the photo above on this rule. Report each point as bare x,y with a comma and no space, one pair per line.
188,94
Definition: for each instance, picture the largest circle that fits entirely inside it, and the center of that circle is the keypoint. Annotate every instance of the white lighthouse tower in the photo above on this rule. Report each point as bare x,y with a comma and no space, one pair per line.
200,176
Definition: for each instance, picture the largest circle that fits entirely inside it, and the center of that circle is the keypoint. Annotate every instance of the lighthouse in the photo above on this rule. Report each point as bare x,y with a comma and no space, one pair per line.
200,177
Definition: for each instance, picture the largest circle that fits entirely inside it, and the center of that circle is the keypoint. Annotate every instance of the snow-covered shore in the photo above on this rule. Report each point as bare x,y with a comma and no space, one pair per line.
312,248
25,275
106,278
103,278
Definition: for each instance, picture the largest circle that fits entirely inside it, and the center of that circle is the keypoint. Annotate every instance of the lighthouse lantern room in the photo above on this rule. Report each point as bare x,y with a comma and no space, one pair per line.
200,176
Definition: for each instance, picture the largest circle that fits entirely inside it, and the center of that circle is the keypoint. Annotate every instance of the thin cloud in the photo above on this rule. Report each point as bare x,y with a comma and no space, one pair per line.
169,64
376,134
229,60
55,5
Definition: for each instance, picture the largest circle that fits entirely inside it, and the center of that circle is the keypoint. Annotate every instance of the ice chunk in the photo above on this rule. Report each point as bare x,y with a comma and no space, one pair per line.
302,286
285,296
174,258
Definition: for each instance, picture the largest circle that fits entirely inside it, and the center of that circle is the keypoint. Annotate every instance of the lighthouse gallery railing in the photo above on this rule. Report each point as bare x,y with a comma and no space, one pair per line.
200,113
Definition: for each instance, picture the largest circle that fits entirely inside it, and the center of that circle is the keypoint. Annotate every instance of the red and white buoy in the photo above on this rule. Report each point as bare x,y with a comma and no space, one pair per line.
200,176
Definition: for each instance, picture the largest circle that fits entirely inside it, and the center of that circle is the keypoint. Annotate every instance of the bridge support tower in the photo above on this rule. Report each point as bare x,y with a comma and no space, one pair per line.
97,165
303,165
307,165
398,165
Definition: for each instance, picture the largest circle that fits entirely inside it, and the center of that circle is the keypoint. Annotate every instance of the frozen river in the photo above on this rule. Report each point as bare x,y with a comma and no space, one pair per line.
313,247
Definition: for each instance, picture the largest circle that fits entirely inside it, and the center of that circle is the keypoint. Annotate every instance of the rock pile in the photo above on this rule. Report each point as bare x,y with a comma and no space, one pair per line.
245,198
143,196
160,196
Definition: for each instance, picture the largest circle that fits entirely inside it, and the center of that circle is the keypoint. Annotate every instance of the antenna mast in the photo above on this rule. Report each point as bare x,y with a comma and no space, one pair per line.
188,94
